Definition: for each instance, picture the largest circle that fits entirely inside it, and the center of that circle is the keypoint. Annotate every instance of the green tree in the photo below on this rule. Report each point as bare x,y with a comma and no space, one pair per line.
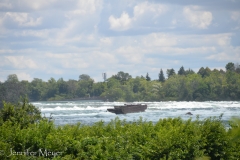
204,72
171,87
170,72
99,88
216,83
2,94
189,71
161,76
181,71
84,77
72,88
62,86
230,66
22,113
114,94
233,85
202,92
122,77
148,78
136,84
85,87
52,88
113,83
237,68
158,91
12,78
13,89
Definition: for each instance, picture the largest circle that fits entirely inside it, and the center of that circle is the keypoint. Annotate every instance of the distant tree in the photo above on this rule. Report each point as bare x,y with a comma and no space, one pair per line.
181,71
12,78
37,89
52,88
122,77
13,89
230,66
62,86
72,88
201,71
161,77
207,71
148,78
222,71
189,71
84,77
170,72
204,72
237,68
2,94
99,88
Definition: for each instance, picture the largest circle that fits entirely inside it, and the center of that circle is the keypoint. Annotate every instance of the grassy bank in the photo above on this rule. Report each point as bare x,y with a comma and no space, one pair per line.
24,134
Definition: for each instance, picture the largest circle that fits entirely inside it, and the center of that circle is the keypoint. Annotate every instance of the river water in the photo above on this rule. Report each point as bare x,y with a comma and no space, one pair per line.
89,112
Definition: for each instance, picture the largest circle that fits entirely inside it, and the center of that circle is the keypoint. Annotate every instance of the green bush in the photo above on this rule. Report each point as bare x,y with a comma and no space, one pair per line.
24,131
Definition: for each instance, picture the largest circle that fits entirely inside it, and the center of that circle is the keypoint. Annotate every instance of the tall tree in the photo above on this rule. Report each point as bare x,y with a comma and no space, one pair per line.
13,89
181,71
62,86
237,68
148,78
83,77
189,71
170,72
12,78
230,66
161,76
204,72
122,77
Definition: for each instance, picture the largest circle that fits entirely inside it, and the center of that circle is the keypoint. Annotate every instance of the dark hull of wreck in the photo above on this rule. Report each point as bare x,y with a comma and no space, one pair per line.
127,109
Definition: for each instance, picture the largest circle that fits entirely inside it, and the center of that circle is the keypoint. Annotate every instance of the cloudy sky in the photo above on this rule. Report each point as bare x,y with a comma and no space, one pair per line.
67,38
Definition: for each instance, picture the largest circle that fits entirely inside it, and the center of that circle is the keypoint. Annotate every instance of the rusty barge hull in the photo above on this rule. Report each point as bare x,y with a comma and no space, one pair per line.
131,108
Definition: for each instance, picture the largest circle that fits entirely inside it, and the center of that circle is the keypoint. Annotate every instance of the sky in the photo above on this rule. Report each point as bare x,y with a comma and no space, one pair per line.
67,38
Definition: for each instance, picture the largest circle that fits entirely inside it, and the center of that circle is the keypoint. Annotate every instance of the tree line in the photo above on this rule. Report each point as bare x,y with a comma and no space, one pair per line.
183,85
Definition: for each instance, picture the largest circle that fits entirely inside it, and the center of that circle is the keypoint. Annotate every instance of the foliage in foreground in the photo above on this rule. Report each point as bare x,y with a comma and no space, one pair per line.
25,135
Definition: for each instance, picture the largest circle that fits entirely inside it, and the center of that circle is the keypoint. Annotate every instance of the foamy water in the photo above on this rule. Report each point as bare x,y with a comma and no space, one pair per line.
89,112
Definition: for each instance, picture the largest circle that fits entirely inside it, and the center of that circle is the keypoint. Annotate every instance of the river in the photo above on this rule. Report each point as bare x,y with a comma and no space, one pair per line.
89,112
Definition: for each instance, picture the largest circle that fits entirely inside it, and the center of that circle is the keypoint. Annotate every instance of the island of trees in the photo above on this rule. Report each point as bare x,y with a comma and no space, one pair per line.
181,85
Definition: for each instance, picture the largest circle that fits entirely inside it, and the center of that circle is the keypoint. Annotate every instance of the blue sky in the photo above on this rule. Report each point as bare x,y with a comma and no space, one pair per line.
67,38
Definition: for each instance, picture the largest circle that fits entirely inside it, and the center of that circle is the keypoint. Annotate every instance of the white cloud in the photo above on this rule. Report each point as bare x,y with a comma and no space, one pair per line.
72,37
23,19
84,8
6,51
198,18
159,40
234,56
19,62
142,14
34,33
150,10
131,54
55,71
5,5
37,4
106,40
120,24
30,5
235,16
